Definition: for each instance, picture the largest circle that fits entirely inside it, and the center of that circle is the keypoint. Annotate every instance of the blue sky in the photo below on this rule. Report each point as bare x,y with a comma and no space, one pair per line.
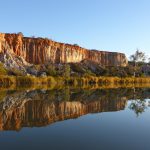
113,25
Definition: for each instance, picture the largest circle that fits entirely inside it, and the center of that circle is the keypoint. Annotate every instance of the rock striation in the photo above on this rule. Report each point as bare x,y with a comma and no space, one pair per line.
43,50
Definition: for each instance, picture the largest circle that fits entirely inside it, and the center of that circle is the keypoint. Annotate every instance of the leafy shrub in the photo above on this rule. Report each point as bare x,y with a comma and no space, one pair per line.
77,68
67,71
3,71
15,72
50,70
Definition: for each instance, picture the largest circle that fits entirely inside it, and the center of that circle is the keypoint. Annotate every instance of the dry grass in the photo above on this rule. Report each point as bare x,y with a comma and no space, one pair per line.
90,81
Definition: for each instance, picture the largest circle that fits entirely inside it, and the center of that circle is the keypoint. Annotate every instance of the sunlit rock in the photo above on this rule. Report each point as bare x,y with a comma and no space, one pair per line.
40,50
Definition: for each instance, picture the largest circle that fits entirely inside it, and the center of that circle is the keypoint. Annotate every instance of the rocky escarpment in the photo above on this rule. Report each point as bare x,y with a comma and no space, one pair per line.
40,50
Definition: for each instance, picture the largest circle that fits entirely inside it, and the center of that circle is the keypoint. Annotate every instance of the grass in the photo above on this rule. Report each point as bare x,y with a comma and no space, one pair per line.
52,82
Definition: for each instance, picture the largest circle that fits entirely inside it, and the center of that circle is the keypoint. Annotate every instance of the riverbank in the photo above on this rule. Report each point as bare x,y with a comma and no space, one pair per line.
58,82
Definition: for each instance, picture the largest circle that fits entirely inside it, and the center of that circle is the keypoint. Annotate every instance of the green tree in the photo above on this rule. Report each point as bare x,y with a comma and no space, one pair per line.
51,71
137,57
67,71
20,33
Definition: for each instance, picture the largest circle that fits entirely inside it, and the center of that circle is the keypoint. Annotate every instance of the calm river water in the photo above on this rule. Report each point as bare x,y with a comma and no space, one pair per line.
112,119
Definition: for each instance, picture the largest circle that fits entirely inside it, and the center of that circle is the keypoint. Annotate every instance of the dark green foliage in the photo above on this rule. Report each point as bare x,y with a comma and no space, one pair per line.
20,33
51,70
67,71
76,67
3,71
75,45
15,72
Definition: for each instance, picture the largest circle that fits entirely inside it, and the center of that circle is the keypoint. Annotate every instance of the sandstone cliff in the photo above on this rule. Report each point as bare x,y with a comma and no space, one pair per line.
40,50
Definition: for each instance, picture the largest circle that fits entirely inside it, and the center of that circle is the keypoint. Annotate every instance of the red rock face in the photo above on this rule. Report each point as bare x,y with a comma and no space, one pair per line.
40,50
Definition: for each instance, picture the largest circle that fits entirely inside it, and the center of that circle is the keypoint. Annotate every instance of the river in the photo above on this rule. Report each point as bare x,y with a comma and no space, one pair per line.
75,119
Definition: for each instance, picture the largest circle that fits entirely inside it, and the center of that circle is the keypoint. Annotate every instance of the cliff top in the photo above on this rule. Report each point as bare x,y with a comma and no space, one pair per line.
49,41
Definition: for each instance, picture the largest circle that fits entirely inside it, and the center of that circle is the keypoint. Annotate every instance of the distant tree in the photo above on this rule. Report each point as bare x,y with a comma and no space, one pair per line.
137,57
46,38
75,44
20,33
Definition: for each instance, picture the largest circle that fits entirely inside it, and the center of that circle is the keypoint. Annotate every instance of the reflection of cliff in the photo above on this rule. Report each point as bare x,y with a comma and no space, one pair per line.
27,109
40,108
40,50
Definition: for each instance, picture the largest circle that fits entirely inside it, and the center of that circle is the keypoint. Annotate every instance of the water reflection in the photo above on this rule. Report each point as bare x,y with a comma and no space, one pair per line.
42,107
139,106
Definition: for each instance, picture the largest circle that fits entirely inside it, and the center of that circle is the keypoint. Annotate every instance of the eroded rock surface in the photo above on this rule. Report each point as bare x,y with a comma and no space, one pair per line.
40,50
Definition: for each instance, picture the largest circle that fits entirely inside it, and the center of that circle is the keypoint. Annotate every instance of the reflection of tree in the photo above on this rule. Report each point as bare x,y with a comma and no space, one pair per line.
139,106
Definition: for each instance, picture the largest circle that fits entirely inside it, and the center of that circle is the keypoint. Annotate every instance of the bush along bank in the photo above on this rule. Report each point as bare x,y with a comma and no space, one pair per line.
71,81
